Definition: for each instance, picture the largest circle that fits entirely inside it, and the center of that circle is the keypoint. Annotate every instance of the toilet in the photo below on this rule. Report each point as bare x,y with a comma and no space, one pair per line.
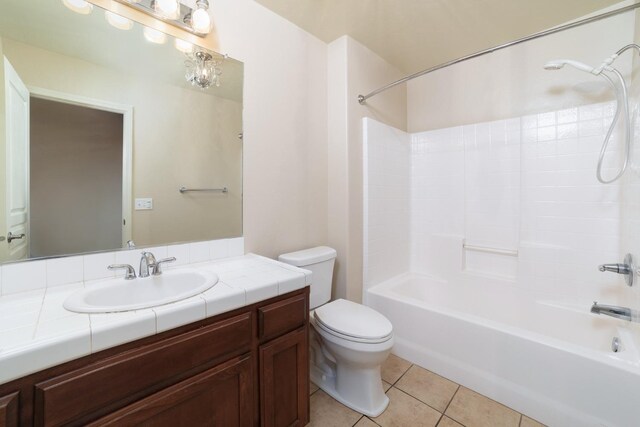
349,341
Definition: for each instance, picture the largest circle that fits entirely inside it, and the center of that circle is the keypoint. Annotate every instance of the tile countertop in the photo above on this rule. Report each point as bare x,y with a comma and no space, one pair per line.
37,332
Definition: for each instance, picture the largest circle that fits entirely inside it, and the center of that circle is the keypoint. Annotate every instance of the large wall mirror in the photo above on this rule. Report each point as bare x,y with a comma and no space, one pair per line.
112,132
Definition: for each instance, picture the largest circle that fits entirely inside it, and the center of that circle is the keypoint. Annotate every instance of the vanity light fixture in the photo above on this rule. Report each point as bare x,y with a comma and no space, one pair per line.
154,36
203,70
174,12
200,19
167,8
117,21
79,6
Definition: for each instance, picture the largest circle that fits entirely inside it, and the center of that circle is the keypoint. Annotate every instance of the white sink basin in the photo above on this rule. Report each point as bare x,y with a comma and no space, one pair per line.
125,295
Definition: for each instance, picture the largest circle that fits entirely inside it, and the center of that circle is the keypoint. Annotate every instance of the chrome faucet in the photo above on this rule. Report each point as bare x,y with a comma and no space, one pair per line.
129,275
149,265
623,313
147,262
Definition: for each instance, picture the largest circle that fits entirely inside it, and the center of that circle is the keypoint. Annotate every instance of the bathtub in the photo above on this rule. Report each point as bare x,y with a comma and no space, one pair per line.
549,359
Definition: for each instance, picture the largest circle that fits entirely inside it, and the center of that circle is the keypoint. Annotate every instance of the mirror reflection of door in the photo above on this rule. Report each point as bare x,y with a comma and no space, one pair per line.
76,178
15,243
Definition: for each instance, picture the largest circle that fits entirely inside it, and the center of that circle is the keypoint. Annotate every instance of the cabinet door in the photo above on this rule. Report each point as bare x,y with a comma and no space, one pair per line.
284,380
9,410
220,397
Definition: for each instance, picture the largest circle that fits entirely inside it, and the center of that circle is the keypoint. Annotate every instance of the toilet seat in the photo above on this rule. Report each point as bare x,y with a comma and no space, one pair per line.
353,322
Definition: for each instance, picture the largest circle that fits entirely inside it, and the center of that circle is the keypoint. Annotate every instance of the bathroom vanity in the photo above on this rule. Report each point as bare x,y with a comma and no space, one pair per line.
242,368
246,366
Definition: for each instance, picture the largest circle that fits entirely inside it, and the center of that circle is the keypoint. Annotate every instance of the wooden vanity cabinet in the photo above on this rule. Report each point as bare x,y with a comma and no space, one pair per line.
244,368
9,410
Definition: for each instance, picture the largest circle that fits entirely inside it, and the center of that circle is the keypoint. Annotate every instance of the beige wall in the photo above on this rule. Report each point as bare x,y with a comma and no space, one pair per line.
180,137
75,179
285,117
353,70
285,126
285,123
513,83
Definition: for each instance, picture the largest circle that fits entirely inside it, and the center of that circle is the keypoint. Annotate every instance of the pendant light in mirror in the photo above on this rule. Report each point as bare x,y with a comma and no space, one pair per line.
203,70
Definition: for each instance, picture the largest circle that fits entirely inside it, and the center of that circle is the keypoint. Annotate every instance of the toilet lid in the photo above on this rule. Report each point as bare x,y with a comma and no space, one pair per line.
353,320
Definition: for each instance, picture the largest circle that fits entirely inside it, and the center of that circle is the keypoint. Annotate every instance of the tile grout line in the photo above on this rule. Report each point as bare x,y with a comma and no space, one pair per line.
449,404
421,401
424,403
401,376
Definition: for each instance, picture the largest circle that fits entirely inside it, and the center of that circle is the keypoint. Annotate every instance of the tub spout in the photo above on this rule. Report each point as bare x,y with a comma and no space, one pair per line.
614,311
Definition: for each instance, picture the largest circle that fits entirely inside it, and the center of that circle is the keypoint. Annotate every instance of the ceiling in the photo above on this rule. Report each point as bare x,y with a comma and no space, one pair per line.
418,34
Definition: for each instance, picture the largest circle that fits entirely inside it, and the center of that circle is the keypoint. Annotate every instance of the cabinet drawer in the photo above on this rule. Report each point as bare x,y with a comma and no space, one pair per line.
222,396
282,317
102,387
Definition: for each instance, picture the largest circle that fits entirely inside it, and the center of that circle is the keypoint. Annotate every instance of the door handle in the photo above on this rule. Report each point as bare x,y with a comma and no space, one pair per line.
11,237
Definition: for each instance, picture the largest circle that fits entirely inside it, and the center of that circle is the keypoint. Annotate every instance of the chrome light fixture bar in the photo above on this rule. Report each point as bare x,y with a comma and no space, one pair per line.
182,19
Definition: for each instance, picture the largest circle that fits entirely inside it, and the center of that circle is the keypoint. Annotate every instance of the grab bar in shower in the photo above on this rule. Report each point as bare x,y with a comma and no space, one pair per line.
188,190
487,249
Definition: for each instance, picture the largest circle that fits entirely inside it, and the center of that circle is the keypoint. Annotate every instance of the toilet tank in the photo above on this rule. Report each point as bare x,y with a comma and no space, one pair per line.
319,261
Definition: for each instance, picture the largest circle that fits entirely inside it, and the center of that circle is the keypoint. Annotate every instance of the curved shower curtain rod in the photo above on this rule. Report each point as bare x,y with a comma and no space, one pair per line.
362,99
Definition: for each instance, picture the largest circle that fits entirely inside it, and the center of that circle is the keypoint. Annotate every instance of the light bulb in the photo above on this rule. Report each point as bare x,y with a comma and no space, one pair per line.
168,8
183,46
154,36
79,6
120,22
201,21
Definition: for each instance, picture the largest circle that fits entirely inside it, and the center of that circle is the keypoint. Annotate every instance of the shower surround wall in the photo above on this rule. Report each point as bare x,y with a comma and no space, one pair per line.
524,186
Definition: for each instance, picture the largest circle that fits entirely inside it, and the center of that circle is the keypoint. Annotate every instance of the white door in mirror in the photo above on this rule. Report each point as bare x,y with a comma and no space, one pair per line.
126,295
17,169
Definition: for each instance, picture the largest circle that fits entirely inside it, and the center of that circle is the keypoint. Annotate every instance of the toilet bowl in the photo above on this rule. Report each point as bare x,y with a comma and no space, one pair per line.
348,364
349,341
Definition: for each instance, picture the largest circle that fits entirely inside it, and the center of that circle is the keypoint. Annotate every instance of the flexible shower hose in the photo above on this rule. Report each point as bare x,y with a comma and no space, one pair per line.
627,125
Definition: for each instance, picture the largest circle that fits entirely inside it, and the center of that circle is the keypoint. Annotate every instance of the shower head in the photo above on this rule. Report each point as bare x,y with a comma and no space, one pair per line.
559,63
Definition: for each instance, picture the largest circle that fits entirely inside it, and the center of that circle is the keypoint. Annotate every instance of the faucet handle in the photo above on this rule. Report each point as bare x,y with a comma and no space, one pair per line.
158,267
615,268
129,275
626,268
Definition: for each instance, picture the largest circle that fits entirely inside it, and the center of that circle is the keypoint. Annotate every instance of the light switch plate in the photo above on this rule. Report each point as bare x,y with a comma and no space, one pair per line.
144,204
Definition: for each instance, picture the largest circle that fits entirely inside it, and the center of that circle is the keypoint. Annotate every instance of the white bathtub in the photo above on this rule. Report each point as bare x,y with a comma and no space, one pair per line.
551,360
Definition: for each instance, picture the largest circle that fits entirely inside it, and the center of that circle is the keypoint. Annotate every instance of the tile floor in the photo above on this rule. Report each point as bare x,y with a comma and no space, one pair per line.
419,398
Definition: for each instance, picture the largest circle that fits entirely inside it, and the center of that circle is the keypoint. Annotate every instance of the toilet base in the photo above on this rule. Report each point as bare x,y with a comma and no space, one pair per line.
327,383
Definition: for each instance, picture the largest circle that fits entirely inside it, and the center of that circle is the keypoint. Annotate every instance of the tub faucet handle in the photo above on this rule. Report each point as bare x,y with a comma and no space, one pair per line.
626,268
615,268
